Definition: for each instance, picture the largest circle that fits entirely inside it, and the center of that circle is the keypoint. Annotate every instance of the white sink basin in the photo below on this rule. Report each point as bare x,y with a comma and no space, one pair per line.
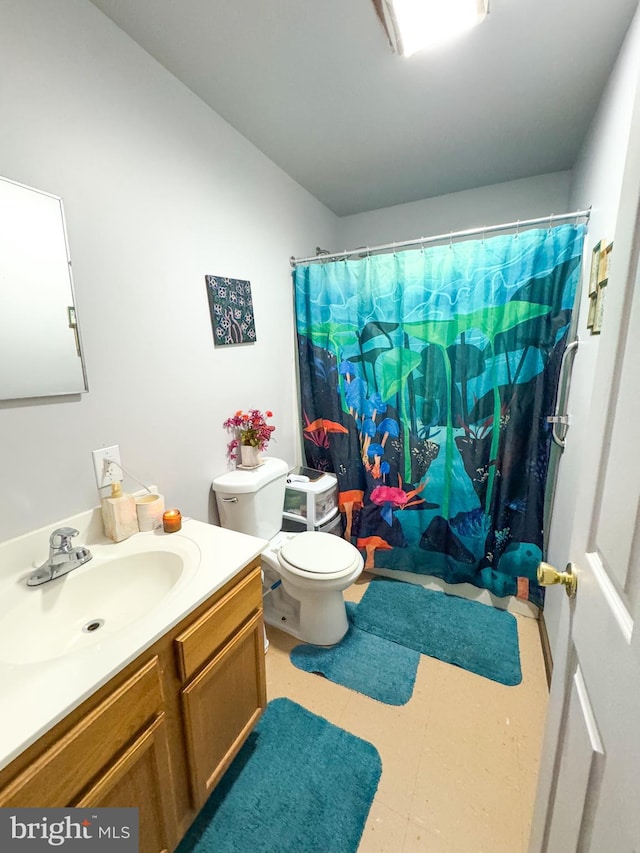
92,603
141,588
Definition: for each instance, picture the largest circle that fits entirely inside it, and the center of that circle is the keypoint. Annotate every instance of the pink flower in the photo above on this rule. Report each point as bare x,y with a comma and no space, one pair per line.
250,428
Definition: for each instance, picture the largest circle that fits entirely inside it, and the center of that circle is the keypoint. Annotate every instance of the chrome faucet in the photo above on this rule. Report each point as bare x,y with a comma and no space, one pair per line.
63,557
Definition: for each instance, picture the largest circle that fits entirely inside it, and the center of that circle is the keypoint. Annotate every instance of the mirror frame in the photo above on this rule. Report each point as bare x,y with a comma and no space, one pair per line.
58,228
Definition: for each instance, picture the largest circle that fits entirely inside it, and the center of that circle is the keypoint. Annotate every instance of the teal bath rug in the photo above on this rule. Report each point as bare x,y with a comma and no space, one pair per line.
365,663
468,634
298,785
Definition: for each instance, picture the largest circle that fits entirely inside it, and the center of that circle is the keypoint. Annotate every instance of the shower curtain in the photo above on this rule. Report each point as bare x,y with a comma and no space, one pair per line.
426,379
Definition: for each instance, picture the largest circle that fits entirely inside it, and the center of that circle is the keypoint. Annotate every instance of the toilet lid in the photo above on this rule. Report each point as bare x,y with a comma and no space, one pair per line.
320,553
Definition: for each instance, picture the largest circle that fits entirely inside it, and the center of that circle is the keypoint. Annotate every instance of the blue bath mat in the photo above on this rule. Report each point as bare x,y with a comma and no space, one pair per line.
465,633
363,662
298,785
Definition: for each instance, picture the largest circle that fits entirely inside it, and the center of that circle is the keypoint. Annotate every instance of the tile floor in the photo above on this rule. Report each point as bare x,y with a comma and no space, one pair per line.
459,760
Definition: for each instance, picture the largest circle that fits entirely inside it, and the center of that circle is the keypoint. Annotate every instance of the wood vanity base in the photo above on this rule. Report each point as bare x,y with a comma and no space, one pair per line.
162,732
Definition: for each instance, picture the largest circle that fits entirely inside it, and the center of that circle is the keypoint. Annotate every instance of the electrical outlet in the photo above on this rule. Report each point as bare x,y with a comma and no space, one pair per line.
105,473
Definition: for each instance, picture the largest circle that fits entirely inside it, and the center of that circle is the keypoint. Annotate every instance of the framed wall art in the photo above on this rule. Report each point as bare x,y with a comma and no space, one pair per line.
606,263
598,312
595,267
593,298
231,309
601,291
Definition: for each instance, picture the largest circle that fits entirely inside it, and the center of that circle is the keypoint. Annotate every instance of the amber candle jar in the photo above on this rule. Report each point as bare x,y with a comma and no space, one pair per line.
171,520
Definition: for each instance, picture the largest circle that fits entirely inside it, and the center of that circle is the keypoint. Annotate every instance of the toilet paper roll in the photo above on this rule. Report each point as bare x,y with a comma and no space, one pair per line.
149,509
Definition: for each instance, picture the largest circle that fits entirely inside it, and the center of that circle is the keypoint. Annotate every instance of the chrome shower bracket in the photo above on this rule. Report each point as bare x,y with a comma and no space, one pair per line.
558,420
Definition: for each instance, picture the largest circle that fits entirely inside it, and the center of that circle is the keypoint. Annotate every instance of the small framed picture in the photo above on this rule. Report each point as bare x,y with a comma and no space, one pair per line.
231,309
591,316
595,267
606,264
602,266
599,308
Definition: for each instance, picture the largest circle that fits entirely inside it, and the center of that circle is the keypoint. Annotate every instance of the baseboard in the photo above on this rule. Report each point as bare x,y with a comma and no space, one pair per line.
546,648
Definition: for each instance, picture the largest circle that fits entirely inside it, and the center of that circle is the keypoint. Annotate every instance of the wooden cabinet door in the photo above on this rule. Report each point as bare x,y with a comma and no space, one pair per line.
60,773
222,704
141,778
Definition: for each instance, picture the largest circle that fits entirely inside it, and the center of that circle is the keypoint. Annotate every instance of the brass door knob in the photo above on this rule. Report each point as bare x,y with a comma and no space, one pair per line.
548,576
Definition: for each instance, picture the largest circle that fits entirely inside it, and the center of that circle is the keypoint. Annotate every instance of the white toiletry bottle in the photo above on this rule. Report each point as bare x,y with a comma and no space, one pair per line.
119,514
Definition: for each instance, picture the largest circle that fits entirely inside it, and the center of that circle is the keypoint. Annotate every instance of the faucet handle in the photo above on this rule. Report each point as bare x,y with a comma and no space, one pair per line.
61,538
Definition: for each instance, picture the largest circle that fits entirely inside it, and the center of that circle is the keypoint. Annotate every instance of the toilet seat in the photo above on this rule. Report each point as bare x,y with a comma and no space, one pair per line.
319,556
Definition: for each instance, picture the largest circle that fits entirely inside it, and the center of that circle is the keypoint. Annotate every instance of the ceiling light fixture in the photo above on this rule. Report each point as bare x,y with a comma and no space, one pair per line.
413,25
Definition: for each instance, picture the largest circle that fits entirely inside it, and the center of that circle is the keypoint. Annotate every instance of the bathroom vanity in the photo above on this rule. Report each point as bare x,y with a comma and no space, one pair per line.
161,731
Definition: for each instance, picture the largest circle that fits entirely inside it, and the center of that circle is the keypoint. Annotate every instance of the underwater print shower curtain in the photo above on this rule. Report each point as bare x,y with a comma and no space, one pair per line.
426,380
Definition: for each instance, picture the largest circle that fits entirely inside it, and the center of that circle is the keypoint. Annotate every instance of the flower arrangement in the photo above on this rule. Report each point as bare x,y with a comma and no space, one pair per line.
250,430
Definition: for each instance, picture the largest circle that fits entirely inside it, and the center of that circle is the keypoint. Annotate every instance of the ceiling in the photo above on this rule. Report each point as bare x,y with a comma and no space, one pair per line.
314,85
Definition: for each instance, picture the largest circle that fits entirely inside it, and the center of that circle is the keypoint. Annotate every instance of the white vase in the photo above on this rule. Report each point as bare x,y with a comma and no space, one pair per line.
249,456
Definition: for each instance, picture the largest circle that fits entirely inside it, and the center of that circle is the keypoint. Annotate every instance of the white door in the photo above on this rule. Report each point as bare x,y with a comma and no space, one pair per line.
589,790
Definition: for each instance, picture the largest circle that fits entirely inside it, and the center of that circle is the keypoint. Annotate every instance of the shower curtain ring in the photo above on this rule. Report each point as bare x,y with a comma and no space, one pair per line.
518,228
451,239
550,222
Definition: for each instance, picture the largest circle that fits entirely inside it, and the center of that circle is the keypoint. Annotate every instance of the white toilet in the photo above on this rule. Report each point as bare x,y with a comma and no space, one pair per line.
304,573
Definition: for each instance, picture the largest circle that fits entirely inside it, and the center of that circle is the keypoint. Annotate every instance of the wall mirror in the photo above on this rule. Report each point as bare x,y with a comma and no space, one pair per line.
40,347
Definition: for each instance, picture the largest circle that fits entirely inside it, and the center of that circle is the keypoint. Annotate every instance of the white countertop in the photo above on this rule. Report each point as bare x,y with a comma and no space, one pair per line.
35,696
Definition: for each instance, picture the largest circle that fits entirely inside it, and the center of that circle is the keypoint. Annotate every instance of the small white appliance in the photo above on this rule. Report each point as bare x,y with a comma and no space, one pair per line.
305,573
311,502
311,498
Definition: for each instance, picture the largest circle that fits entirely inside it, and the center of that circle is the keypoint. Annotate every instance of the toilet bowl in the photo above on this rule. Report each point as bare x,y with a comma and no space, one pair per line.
315,569
305,574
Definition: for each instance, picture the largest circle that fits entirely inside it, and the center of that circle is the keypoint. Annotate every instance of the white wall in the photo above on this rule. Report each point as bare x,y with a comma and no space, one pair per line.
523,199
158,191
596,181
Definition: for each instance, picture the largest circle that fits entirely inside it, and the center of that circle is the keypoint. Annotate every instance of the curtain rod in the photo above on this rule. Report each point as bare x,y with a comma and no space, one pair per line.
441,238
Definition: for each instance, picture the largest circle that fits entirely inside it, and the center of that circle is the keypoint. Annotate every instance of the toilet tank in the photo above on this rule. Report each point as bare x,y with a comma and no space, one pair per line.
251,501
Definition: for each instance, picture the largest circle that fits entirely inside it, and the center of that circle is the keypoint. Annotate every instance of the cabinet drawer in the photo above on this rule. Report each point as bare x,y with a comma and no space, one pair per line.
201,639
62,771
